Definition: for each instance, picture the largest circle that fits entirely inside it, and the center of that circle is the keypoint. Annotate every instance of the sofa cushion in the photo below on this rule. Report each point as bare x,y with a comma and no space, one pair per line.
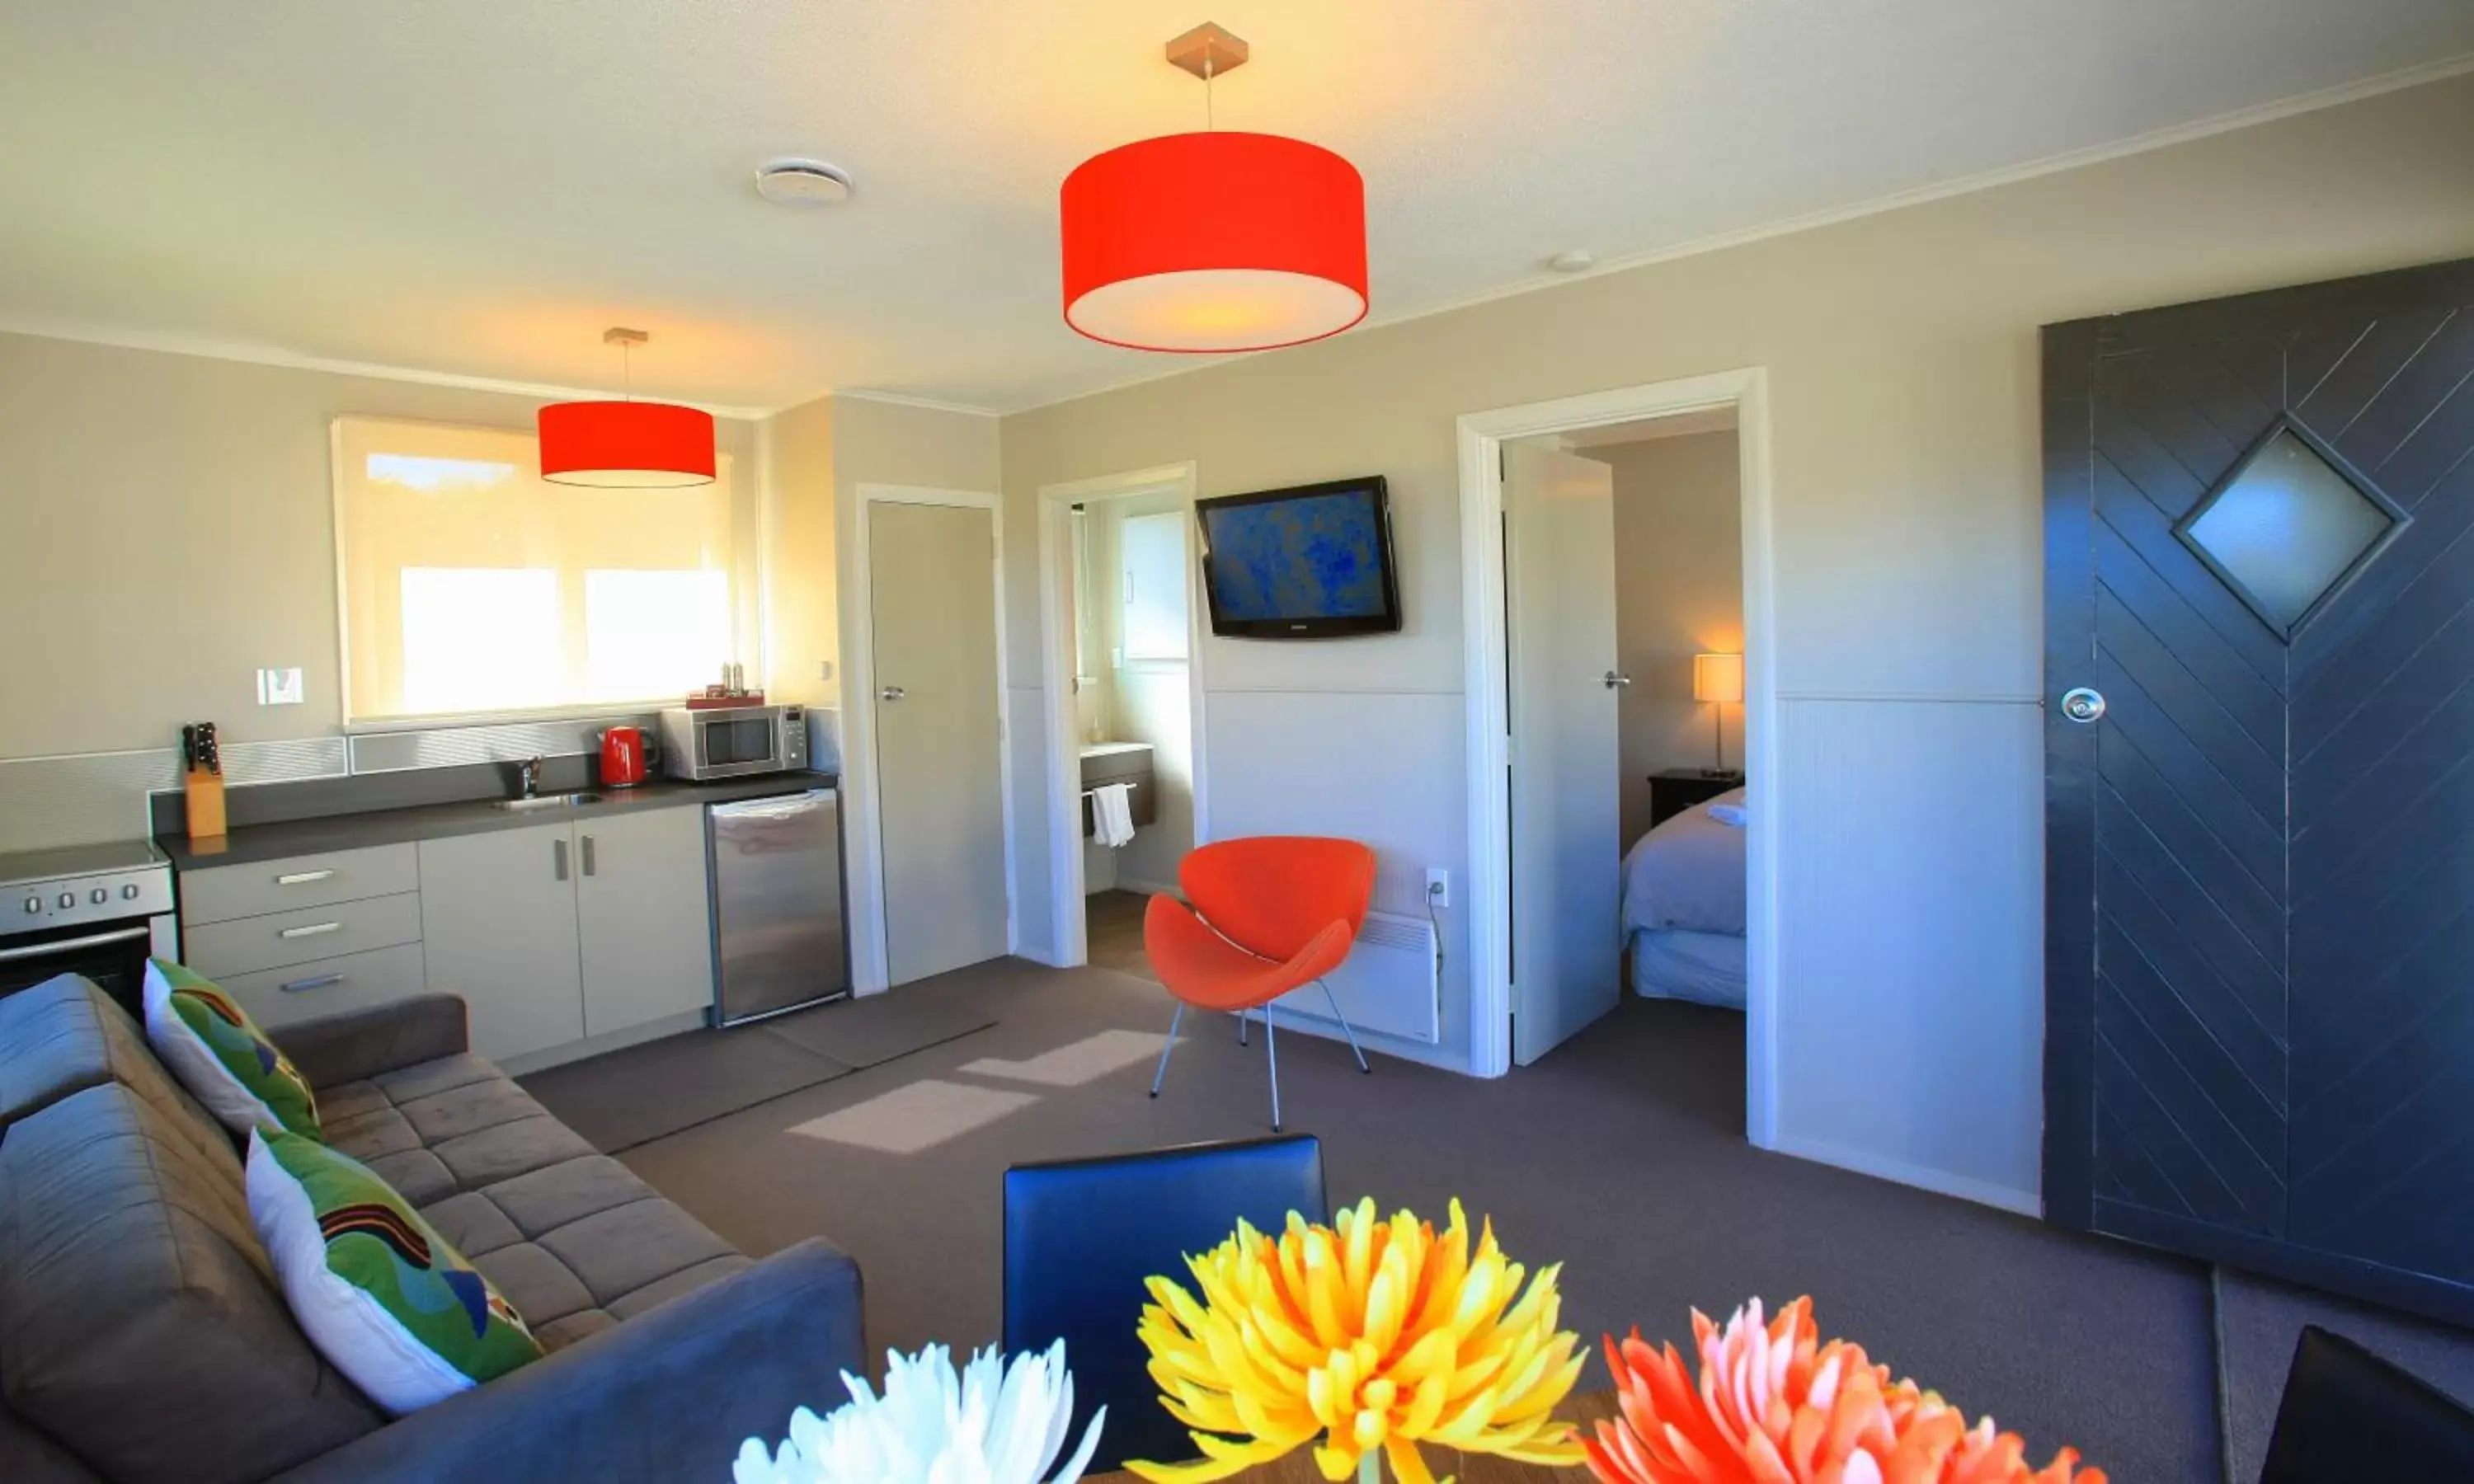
140,1327
66,1035
571,1237
218,1052
378,1289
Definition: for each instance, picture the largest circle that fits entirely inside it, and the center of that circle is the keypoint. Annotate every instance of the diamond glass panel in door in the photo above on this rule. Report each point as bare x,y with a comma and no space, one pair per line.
2286,528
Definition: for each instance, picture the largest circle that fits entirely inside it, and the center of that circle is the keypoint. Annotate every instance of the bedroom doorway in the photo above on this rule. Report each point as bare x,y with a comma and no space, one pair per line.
1616,547
1121,655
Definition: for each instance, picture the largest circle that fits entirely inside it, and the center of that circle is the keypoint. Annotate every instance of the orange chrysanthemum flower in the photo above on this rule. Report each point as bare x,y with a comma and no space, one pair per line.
1775,1406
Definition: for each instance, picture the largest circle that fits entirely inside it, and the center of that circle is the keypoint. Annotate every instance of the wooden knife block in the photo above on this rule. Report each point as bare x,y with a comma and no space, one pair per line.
202,789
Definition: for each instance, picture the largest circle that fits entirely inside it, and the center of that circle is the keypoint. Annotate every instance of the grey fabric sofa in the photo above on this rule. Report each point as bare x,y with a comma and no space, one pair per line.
143,1338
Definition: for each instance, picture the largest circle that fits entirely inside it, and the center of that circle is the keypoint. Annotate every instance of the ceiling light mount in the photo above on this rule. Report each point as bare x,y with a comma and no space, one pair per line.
619,335
1209,50
803,182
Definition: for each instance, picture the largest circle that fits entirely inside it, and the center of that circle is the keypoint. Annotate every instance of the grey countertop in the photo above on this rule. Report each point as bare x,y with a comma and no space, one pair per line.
248,844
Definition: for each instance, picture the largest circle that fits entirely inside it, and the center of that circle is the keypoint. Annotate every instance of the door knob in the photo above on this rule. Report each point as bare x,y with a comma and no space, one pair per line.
891,693
1616,678
2082,704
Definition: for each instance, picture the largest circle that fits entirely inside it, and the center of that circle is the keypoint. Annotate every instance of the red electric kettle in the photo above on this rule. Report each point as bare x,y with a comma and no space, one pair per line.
625,757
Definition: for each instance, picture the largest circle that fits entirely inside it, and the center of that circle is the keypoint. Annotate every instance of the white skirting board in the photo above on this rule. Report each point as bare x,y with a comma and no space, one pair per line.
1387,984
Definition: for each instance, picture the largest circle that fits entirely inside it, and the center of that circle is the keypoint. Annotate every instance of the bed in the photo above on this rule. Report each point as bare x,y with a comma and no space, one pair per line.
1684,906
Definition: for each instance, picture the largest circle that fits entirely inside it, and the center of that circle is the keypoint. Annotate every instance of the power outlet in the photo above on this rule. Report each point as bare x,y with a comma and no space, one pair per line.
1439,887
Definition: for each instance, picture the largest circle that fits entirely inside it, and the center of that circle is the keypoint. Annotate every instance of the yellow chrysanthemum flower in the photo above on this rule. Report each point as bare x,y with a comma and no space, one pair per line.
1371,1334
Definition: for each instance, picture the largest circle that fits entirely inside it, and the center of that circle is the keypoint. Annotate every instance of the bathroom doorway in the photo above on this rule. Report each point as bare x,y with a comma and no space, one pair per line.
1122,656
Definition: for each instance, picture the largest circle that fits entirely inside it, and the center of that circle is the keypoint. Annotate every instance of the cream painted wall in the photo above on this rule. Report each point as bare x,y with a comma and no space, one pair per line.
1902,374
803,621
166,528
1678,591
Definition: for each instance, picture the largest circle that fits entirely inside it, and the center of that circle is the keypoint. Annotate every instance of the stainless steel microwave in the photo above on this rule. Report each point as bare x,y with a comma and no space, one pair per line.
734,741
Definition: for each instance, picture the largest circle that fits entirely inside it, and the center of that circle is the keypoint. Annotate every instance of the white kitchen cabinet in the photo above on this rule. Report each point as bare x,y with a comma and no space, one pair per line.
499,928
644,917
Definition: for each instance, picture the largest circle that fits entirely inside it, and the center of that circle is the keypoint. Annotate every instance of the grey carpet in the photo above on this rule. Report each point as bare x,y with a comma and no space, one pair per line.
625,1098
1621,1155
2262,1319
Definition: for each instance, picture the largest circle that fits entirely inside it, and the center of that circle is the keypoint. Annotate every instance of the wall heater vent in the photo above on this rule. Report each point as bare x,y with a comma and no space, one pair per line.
1387,984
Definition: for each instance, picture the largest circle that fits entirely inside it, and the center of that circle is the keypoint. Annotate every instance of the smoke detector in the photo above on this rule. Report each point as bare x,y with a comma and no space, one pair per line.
803,182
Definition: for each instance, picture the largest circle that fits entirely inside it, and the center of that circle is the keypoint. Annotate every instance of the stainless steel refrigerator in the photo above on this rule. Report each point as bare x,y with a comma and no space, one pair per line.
778,914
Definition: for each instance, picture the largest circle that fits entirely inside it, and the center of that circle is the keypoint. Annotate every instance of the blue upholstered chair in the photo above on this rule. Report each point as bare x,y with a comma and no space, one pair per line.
2348,1415
1081,1235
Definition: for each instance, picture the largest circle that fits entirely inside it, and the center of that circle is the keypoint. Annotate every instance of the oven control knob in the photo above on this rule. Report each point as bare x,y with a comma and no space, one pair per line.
129,893
98,897
34,904
68,900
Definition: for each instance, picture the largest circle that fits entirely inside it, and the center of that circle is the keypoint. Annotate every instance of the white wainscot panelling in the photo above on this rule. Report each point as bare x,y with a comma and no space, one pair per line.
1381,767
1910,930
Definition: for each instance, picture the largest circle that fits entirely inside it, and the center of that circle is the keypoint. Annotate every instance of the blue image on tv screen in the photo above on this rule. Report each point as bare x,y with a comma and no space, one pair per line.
1314,556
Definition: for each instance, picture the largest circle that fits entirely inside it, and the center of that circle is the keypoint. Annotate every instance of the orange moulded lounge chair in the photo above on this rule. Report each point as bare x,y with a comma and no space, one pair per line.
1270,914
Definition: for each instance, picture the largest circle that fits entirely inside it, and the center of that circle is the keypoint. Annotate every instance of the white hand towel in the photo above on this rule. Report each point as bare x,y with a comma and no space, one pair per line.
1112,814
1731,814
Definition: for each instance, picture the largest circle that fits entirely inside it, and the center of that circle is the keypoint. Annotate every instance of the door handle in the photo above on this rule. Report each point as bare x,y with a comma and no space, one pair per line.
2084,705
558,859
1616,678
588,854
891,693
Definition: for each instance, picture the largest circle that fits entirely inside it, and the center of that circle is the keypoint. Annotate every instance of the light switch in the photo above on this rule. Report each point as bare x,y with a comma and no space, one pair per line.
280,688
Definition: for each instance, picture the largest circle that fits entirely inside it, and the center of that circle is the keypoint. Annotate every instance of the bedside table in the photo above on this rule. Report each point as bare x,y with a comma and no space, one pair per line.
1674,790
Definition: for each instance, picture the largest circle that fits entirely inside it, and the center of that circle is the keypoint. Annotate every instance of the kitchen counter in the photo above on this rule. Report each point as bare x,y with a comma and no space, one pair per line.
250,843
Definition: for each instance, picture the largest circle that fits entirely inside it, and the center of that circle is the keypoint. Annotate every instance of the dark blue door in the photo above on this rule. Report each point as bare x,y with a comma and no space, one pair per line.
2260,773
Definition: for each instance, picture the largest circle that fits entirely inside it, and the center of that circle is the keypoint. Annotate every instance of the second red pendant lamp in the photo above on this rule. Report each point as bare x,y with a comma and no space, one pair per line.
1214,242
625,444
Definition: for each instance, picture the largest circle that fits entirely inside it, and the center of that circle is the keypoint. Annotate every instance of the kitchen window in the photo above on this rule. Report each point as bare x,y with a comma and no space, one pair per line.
473,586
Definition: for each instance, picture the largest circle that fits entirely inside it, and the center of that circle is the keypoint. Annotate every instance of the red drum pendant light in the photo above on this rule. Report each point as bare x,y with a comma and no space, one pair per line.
1204,243
625,444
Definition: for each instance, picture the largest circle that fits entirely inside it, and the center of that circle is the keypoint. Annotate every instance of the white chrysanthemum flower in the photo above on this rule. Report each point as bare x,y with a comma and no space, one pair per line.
994,1423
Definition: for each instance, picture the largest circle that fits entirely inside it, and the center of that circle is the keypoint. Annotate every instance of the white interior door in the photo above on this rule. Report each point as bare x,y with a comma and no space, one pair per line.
940,800
1566,848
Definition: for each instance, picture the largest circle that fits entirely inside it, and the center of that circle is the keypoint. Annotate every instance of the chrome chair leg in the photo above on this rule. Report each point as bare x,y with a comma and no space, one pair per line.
1345,1028
1173,1022
1242,1022
1271,1047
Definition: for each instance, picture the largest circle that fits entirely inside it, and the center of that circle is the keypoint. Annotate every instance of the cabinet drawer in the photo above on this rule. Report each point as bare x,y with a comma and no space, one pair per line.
355,981
219,894
279,939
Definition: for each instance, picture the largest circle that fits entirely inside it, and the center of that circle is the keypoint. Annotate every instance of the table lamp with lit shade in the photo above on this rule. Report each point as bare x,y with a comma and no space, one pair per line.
1718,678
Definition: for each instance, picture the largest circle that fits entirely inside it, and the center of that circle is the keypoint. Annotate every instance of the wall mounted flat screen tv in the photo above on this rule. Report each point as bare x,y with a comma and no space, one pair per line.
1305,563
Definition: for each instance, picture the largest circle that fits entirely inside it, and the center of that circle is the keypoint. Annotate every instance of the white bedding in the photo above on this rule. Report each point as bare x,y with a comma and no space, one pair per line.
1688,874
1705,968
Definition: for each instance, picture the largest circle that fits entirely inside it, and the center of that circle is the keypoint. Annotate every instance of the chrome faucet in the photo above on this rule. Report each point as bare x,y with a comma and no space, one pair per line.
529,777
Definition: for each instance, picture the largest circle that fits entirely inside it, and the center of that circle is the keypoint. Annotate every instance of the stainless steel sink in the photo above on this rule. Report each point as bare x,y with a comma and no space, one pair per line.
545,801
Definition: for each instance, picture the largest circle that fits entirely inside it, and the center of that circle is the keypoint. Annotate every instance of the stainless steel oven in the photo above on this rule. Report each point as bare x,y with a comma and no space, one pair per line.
734,741
97,910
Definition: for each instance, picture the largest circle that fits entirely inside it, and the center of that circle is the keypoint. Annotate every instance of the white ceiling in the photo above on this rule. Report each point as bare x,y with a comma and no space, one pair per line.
477,187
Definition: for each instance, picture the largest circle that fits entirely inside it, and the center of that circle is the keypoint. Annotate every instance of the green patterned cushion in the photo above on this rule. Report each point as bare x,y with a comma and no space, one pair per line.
221,1056
377,1289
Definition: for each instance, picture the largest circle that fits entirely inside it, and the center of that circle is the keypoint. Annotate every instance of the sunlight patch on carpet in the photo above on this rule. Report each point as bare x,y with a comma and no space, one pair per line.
916,1116
1083,1062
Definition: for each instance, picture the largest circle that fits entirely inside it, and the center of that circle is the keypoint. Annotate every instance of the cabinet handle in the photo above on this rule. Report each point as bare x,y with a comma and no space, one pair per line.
588,855
310,931
558,859
316,982
302,877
